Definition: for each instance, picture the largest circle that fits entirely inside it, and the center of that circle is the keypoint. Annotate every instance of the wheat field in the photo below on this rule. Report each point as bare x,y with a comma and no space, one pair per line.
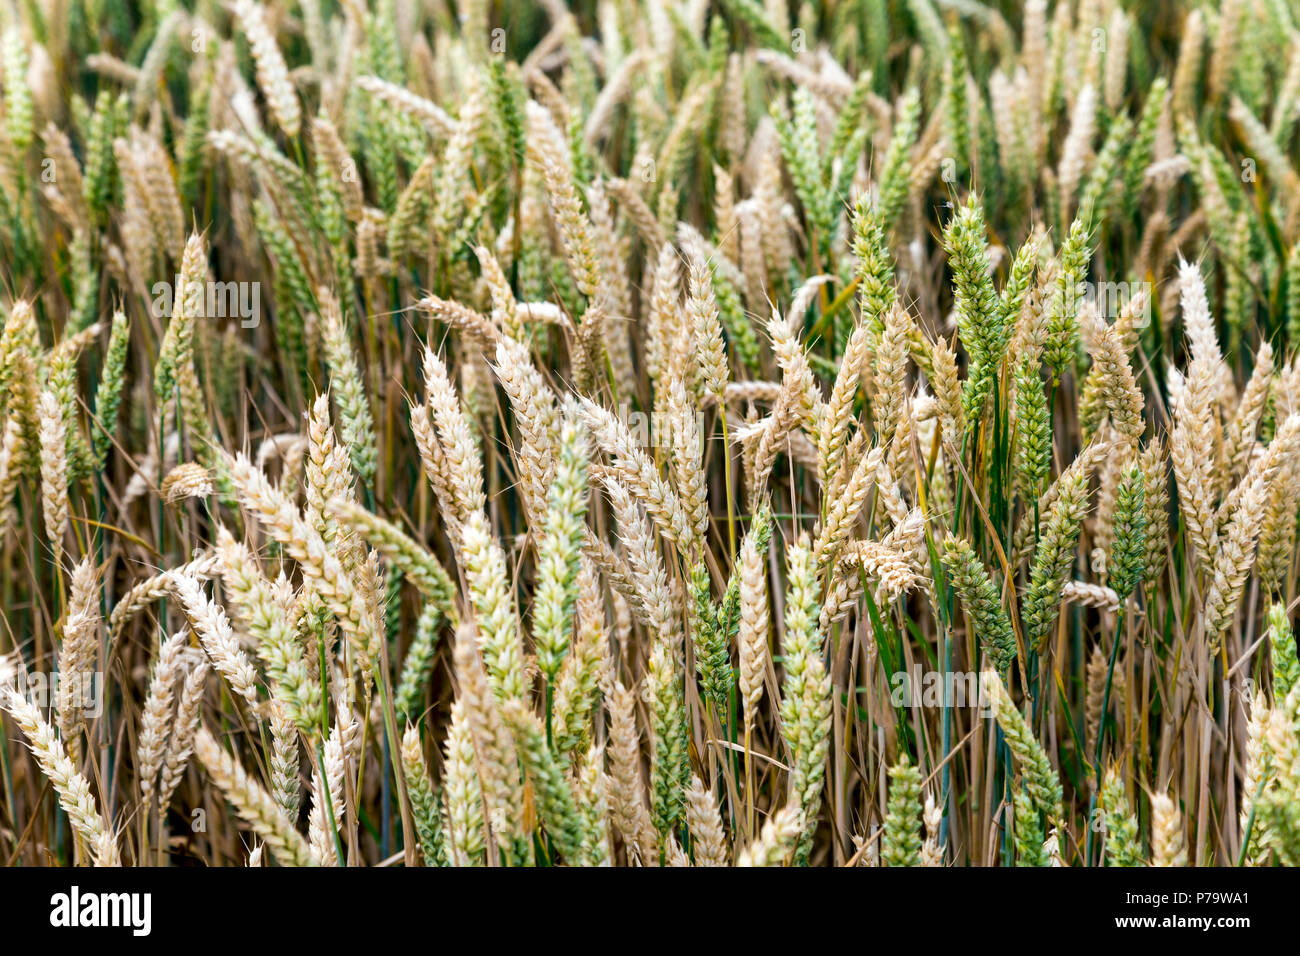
649,433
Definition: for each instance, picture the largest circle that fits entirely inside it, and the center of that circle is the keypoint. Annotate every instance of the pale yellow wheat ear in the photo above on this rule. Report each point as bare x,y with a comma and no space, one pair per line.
187,480
11,463
334,585
706,329
705,823
259,609
545,146
54,472
635,468
328,807
158,713
272,75
494,748
217,637
1194,441
462,793
1167,845
537,416
932,849
1235,558
252,802
835,424
78,655
776,841
92,830
499,636
629,811
799,403
754,626
464,466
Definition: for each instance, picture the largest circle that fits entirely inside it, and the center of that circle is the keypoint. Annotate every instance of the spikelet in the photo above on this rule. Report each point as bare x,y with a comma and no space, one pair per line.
592,791
408,556
187,480
1062,329
555,802
1235,558
1155,502
1193,441
335,586
19,117
1090,595
668,757
11,464
464,465
585,670
1277,535
1117,392
980,322
418,664
1286,667
932,849
635,468
253,601
1259,775
1125,564
285,760
498,629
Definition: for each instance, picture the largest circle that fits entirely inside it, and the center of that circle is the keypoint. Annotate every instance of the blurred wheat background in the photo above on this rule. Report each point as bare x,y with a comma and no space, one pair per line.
756,432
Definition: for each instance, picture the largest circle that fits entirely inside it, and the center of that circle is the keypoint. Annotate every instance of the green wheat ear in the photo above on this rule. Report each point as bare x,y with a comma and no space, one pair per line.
902,838
1281,638
1123,845
1028,831
1128,548
982,601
